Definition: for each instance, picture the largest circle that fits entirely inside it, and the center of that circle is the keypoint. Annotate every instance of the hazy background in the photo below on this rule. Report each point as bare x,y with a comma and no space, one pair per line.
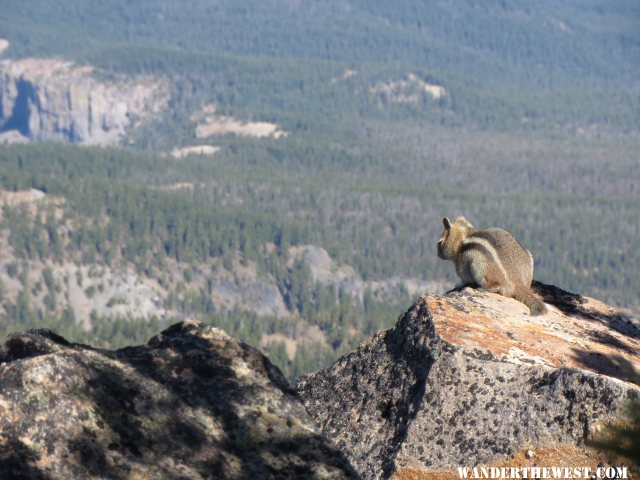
337,135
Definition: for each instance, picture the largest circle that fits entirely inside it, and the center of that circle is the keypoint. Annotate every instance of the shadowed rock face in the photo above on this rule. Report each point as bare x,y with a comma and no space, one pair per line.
53,100
471,378
193,403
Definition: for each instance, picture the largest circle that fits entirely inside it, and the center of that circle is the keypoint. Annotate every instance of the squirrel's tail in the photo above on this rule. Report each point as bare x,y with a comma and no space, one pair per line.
524,295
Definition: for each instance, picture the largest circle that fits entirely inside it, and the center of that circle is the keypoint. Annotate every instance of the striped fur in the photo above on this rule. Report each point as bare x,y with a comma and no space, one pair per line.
491,258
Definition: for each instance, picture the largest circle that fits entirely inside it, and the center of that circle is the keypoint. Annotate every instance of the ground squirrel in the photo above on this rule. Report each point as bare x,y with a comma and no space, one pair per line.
490,258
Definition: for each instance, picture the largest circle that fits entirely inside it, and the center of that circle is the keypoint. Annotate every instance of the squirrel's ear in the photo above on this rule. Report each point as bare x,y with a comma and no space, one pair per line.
463,221
447,223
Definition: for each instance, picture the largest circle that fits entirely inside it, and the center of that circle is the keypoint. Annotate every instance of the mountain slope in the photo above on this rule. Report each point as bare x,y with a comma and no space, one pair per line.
532,42
384,118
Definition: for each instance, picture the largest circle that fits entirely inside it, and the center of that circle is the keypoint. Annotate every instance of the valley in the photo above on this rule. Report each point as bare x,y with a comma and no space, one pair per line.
282,172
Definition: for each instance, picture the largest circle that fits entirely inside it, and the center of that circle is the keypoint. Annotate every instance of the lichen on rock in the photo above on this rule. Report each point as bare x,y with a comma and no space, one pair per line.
471,379
193,403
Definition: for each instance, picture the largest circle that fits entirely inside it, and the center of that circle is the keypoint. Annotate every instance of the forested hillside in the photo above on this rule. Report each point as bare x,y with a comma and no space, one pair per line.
503,63
390,116
574,41
380,216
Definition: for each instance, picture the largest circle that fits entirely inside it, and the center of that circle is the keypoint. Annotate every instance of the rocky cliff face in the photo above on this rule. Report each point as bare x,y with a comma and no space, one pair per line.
193,403
471,379
327,272
47,99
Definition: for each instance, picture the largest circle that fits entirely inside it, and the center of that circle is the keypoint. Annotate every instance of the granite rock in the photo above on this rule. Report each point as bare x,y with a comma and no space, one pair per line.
192,403
470,378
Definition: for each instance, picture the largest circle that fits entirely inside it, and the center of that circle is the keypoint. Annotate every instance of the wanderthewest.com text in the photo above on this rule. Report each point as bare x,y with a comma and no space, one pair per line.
542,472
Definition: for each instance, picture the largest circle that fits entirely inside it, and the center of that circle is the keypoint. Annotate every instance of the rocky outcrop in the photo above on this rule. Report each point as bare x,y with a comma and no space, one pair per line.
100,291
470,379
411,89
211,125
327,272
192,403
260,296
48,99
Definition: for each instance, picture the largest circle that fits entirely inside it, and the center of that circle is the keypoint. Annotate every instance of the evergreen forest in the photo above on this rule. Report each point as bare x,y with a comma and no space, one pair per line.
537,132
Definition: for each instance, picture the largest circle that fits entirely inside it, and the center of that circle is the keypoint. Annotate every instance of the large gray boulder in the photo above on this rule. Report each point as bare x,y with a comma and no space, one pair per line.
193,403
471,379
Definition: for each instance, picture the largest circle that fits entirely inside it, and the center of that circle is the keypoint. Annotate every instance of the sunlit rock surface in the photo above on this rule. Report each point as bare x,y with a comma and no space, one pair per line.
55,100
471,378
